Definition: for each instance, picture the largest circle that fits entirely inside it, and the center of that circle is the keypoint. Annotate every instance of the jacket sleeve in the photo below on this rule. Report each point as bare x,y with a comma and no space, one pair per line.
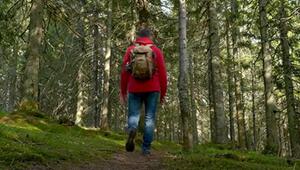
162,74
124,75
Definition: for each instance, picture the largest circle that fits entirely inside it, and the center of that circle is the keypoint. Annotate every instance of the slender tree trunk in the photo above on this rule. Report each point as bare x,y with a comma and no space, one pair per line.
272,131
2,54
240,110
134,24
80,98
31,72
12,80
96,67
215,82
193,104
211,101
229,70
293,120
106,93
184,79
253,108
238,79
243,121
81,103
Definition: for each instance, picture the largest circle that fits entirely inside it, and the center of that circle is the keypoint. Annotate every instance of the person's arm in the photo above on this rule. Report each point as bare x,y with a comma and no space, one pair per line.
162,75
124,76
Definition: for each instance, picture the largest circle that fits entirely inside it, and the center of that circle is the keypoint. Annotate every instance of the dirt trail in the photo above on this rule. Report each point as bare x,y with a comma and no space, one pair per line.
119,161
135,161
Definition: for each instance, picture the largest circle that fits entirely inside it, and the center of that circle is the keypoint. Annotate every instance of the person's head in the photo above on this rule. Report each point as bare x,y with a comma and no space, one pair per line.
145,32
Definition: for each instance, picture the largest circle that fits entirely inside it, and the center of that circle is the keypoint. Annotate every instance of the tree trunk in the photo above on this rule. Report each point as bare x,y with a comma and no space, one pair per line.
238,79
106,93
80,98
31,72
12,72
134,24
193,104
96,74
293,120
240,114
229,70
81,101
184,79
253,108
272,131
215,82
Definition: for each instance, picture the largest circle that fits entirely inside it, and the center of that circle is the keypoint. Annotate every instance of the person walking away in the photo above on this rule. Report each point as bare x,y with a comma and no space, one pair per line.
143,81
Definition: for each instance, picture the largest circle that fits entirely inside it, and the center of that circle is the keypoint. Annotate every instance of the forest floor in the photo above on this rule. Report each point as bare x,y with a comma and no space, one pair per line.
135,161
31,141
119,161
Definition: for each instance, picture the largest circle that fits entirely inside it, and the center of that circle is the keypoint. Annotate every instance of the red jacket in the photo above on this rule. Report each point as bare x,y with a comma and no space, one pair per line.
158,82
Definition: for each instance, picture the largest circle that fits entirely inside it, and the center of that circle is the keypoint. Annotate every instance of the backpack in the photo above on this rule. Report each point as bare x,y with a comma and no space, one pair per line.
142,64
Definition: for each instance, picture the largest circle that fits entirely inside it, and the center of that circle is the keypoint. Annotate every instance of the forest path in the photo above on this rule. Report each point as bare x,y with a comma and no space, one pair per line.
135,161
122,160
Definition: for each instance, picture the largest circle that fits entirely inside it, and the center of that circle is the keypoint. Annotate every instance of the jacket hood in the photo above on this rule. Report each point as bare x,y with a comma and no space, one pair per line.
143,40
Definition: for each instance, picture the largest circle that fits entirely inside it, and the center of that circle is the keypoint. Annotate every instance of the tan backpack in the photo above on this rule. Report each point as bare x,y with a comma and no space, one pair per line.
142,64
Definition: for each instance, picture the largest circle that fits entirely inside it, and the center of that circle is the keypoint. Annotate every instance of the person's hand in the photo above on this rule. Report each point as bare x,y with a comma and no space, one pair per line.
162,100
123,99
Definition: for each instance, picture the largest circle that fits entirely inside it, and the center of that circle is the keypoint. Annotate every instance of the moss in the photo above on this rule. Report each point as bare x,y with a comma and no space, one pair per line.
29,139
213,157
2,113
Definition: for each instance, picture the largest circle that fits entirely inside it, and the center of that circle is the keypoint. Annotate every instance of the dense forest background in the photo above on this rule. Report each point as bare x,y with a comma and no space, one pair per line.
233,66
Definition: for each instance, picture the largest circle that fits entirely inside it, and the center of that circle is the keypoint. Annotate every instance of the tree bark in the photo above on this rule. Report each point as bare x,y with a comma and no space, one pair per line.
229,70
106,93
293,120
237,76
194,118
215,82
96,73
184,79
240,115
272,131
31,73
81,101
12,74
253,108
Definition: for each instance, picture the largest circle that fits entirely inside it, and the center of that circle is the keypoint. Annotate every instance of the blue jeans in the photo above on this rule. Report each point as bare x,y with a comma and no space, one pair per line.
135,101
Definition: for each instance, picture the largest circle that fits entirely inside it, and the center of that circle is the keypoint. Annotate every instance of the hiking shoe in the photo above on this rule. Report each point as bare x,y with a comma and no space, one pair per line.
145,152
130,141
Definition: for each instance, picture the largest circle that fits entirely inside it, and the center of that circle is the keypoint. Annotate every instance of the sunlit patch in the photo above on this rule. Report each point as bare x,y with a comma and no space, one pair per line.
27,127
166,7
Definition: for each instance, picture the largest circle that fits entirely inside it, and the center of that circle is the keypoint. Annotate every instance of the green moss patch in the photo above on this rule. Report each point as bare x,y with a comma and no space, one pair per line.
215,157
27,139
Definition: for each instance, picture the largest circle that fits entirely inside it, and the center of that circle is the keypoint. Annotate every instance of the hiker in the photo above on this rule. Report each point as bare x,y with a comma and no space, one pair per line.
144,78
